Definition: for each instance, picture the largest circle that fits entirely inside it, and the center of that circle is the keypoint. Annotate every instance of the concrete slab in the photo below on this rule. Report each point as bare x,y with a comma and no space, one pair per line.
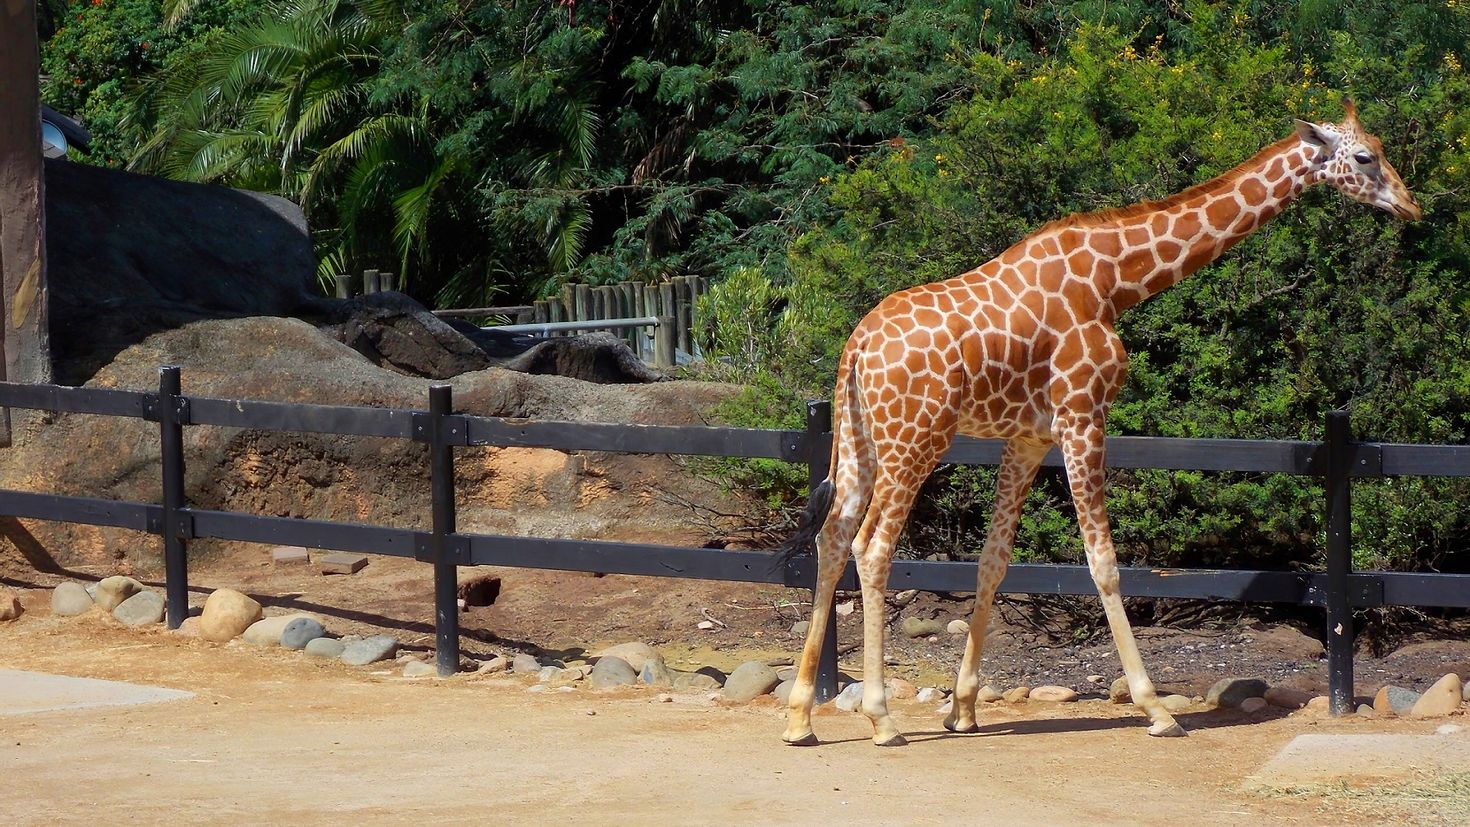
22,693
1317,759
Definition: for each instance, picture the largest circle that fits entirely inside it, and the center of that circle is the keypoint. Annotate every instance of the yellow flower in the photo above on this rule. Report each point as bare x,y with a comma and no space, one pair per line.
1129,53
824,180
939,157
943,173
1178,70
1216,135
1308,70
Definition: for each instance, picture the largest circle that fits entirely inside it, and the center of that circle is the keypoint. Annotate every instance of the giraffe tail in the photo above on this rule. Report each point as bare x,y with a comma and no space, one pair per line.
804,539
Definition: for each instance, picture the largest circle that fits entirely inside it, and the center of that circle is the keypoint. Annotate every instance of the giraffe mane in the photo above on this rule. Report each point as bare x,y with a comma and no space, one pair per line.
1117,214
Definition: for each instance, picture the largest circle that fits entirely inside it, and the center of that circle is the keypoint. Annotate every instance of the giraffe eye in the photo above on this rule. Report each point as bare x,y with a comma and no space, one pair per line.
1364,158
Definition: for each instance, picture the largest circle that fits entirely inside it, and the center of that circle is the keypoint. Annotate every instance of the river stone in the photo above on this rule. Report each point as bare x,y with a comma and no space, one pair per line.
850,698
112,591
749,681
611,671
1227,693
633,653
267,631
1439,700
70,599
1177,703
916,627
324,647
801,627
1394,700
1287,698
1054,694
902,689
525,664
782,692
695,682
989,694
549,674
655,673
227,613
1016,695
419,669
301,631
10,607
929,695
369,650
1119,693
142,609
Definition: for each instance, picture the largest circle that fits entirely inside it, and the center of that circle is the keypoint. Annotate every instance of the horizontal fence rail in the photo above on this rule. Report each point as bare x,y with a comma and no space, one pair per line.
1338,460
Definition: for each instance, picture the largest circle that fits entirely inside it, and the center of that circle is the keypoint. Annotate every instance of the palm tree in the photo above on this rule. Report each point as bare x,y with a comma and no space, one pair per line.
286,105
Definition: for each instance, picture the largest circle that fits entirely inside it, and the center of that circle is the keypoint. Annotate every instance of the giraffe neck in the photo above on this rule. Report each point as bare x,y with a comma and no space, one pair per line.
1163,245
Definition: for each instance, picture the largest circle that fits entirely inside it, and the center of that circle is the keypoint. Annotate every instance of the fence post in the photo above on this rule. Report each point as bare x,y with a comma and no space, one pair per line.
441,492
344,285
370,282
172,413
1339,562
818,425
663,343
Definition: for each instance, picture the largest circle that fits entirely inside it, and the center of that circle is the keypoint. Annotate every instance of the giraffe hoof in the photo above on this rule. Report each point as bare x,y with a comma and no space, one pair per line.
895,741
1167,729
807,740
955,726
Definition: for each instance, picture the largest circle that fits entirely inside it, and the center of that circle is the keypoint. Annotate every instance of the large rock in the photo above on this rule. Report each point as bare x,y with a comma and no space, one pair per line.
695,682
125,254
70,599
749,681
1394,700
1287,698
112,591
634,653
227,614
369,650
782,692
325,647
610,671
1054,694
10,607
1227,693
267,631
1439,700
656,673
1118,691
301,631
525,664
917,627
142,609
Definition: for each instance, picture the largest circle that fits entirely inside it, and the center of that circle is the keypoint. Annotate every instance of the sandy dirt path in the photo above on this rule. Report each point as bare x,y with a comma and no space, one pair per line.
278,738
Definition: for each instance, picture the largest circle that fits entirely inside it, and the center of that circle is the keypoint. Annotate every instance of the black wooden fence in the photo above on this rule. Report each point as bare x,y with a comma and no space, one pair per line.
1339,460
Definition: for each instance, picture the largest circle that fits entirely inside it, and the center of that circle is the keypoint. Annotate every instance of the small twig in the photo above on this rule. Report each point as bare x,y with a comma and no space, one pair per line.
711,618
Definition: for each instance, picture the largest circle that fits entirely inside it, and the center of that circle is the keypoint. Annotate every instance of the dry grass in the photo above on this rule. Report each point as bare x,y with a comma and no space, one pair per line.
1425,800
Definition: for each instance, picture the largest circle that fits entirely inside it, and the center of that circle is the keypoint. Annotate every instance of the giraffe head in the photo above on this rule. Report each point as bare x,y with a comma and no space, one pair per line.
1351,160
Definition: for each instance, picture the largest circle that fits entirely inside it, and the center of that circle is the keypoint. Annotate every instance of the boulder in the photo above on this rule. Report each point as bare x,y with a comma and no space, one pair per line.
1016,695
902,689
494,666
70,599
930,694
611,671
227,613
850,698
419,669
1439,700
525,664
655,673
369,650
267,631
1249,706
1179,703
324,647
142,609
695,682
958,627
916,627
782,692
301,631
800,627
1286,697
1053,694
1227,693
1119,693
633,653
112,591
1394,700
10,607
989,694
749,681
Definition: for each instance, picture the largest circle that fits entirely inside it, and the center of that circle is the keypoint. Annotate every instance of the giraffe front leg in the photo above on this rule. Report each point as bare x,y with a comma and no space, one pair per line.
832,553
1017,470
1082,447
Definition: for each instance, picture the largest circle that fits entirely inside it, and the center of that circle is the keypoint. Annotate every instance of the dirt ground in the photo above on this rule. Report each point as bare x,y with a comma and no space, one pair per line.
280,738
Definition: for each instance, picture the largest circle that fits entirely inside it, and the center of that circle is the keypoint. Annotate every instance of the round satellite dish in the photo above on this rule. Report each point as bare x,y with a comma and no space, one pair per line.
53,142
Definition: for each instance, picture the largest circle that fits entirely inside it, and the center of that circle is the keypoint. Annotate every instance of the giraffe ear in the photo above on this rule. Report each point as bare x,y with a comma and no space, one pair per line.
1315,135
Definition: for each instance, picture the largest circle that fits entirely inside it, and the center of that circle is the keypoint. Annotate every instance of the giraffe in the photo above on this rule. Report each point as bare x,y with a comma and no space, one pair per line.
1023,349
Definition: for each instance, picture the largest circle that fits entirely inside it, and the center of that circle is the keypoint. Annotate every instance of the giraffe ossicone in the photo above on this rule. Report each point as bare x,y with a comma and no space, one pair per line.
1023,348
